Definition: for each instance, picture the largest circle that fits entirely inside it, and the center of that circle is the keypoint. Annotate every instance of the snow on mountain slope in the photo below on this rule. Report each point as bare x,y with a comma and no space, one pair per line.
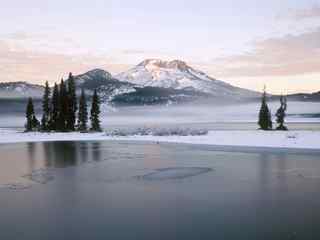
150,81
107,86
178,75
20,90
93,79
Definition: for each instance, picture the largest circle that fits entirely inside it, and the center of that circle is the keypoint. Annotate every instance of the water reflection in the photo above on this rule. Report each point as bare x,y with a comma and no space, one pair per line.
96,151
281,167
65,154
272,170
22,159
83,151
31,154
264,171
48,152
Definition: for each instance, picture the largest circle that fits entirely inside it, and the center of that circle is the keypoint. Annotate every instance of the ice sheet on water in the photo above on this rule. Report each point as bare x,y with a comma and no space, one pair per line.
14,186
300,172
160,131
42,176
175,173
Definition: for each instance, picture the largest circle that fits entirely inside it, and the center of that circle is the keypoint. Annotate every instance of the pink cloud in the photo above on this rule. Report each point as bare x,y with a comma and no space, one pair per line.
313,12
286,56
20,64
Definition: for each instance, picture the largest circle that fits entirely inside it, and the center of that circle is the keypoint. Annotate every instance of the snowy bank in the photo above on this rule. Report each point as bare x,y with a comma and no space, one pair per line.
273,139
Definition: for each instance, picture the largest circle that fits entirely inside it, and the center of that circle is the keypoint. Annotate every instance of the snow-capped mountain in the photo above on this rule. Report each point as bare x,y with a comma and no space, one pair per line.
125,93
178,75
151,82
20,90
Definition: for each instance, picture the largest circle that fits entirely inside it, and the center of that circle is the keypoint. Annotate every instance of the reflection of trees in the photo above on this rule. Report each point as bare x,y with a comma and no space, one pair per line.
64,154
96,151
83,151
264,171
59,154
31,148
281,159
272,175
271,184
48,154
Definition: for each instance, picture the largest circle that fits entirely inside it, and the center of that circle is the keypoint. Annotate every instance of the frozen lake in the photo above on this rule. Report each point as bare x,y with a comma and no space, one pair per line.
127,190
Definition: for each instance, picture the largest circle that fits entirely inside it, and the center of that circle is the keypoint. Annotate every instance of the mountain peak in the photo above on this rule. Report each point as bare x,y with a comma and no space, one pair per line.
158,63
176,74
98,72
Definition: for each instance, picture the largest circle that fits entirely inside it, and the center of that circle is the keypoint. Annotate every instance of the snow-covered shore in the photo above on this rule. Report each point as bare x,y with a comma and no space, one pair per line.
272,139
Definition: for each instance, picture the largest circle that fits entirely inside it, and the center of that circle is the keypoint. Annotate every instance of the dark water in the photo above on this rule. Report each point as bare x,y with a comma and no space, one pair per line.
110,190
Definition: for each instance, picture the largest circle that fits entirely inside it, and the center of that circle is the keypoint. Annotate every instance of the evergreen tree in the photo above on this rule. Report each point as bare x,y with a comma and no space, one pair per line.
63,107
281,114
95,113
83,113
265,121
72,103
32,122
35,123
46,108
54,113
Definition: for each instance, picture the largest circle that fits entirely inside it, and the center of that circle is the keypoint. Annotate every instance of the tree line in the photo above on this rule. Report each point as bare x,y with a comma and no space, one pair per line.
61,111
265,119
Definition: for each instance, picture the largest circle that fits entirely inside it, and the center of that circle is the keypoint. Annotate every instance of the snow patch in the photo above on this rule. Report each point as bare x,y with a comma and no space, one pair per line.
146,131
270,139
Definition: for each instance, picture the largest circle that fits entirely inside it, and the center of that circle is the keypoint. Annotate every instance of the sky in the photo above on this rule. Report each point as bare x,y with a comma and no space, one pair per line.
246,43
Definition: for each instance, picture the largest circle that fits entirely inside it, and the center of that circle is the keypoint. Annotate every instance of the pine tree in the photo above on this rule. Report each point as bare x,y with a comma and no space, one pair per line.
83,113
46,108
35,123
63,107
281,114
54,113
72,103
265,121
32,122
95,113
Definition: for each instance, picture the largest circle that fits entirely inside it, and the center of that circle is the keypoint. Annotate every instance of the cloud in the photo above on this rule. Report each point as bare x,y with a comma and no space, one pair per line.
133,51
135,56
20,64
286,56
20,35
312,12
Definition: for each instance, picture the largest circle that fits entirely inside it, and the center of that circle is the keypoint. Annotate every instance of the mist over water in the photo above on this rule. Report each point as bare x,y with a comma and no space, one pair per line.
242,116
210,116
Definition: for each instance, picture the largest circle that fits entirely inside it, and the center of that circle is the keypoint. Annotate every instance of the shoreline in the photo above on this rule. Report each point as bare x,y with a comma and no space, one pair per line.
291,140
